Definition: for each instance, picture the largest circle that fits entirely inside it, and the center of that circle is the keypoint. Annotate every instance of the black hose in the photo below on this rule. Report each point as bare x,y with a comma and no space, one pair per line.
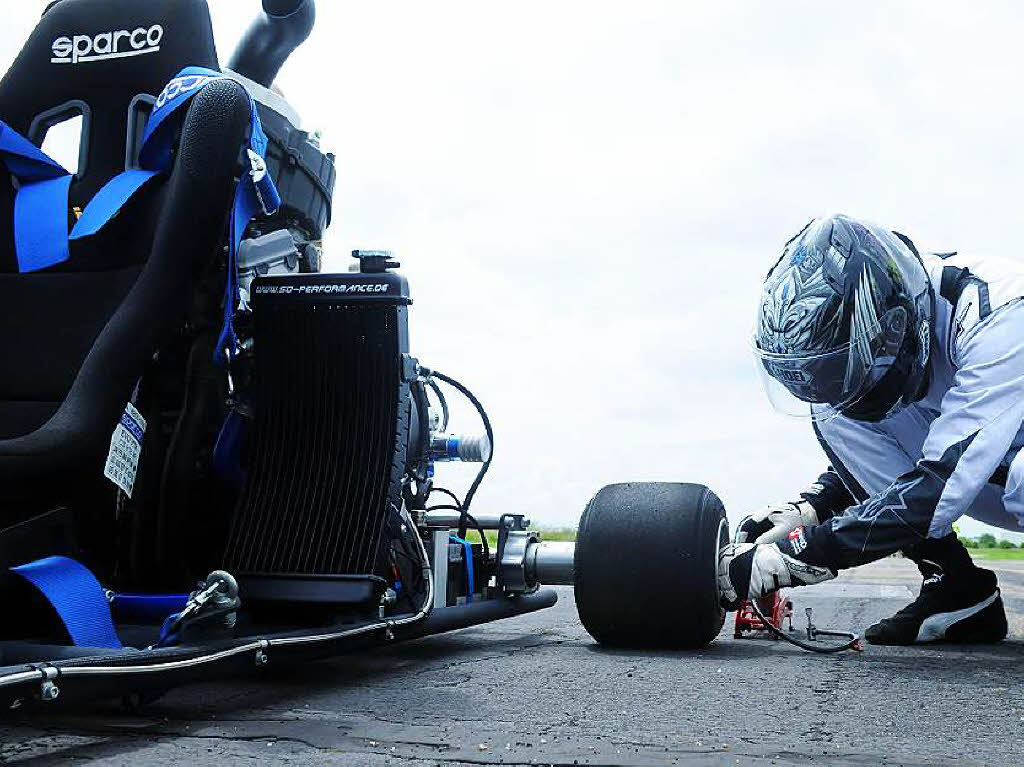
854,642
271,38
419,431
449,493
201,406
464,511
444,403
471,520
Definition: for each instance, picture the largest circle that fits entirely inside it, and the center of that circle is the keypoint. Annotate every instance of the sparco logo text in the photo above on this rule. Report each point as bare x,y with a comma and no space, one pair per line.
117,44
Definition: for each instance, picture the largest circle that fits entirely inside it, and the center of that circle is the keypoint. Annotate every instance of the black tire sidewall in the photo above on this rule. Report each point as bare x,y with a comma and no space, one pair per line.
646,556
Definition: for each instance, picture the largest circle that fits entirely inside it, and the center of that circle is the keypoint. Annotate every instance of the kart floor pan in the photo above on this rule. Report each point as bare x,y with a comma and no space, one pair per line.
131,671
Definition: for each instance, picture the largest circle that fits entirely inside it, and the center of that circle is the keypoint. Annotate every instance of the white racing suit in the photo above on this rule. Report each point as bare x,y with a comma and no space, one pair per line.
957,450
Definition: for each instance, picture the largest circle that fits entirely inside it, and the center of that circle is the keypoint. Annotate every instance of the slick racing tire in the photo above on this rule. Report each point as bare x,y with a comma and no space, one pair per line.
646,565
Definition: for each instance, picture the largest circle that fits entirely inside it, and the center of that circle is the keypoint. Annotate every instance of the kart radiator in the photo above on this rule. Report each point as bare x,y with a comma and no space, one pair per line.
331,408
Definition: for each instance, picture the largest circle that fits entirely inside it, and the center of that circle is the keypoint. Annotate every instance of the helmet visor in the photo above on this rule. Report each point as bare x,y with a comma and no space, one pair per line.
820,386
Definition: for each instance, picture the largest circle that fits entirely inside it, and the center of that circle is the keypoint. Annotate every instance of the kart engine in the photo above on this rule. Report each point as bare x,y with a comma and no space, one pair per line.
330,432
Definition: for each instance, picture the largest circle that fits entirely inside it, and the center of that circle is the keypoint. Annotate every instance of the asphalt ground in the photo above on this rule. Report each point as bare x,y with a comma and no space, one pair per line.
537,690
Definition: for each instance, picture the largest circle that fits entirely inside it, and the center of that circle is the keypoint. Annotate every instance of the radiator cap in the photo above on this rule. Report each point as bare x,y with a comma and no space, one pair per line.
375,261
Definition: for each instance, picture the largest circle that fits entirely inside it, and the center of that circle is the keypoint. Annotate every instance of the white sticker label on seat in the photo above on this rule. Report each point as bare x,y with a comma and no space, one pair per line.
125,446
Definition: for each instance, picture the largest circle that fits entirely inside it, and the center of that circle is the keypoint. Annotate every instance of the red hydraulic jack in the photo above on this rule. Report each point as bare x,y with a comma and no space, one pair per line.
776,607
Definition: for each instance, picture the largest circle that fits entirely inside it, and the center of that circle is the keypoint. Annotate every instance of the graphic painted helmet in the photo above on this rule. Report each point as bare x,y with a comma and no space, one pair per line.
844,322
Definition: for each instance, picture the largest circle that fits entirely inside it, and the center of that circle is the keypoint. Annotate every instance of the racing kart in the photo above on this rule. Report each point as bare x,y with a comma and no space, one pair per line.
216,457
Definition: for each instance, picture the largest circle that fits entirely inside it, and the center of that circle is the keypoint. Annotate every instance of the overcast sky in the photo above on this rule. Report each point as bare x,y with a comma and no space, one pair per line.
585,197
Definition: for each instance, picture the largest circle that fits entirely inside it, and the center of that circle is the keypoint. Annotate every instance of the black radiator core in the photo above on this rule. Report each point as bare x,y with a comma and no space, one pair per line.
331,406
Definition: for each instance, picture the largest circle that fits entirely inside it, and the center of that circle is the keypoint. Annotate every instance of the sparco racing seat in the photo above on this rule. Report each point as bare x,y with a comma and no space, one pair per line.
101,269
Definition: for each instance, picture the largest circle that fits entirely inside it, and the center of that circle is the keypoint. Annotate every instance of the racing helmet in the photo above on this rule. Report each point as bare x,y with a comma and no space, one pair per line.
844,322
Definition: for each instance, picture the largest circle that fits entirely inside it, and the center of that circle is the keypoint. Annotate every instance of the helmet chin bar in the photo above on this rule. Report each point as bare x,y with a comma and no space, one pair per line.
892,393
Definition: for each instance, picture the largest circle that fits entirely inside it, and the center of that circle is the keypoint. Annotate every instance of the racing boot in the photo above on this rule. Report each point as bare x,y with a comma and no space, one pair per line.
959,601
753,570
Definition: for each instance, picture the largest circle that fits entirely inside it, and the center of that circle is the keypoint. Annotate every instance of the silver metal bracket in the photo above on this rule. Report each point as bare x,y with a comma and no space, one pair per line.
387,599
513,543
439,562
261,658
48,689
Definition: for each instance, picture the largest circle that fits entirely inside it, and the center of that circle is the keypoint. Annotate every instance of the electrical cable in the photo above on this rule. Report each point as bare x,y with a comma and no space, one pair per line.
469,518
441,399
464,511
447,492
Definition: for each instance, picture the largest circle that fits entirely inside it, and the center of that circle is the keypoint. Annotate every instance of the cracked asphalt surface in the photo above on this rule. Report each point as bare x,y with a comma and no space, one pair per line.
537,690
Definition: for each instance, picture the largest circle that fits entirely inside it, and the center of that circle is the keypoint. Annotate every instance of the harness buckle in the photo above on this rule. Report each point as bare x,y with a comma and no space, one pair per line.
261,182
214,603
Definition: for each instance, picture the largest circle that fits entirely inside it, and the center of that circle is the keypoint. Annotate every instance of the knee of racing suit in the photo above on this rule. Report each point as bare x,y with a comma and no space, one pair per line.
856,538
865,533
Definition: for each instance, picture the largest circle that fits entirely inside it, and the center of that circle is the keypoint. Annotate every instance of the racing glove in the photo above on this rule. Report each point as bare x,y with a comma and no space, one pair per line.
823,500
751,570
775,522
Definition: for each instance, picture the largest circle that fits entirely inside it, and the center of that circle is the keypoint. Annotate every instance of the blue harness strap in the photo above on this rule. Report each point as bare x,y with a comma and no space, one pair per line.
255,193
77,597
25,160
146,607
41,203
41,223
82,604
111,197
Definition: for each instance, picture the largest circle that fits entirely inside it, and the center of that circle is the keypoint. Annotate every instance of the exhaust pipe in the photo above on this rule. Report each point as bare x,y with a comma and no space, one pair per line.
271,38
